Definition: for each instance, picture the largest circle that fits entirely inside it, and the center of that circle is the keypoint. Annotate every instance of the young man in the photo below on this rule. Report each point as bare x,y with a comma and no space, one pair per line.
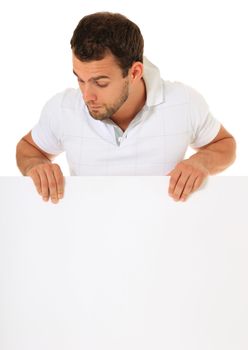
124,119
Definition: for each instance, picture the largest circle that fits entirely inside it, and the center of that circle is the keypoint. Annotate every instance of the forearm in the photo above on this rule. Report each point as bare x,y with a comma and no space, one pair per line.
28,156
217,156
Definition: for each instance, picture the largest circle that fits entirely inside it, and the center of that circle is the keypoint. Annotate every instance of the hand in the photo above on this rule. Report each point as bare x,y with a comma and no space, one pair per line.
48,180
186,178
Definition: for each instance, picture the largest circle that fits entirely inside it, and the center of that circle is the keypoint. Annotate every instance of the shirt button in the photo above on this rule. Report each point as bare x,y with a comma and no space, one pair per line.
120,139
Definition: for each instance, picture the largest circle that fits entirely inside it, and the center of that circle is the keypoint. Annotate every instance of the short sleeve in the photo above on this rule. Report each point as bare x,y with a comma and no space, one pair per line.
204,126
47,132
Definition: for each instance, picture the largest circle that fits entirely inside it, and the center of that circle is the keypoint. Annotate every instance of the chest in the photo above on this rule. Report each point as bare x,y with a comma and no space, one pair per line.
152,147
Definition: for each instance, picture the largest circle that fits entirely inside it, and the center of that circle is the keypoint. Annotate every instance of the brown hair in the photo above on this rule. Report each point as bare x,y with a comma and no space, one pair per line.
102,32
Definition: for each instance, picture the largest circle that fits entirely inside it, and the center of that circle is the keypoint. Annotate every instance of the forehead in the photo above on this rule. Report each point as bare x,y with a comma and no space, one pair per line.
106,66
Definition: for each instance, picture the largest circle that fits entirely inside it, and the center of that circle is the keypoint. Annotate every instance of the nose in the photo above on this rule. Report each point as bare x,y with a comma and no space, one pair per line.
89,94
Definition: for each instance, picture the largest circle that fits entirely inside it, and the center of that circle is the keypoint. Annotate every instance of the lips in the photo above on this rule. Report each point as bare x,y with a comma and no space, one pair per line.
93,106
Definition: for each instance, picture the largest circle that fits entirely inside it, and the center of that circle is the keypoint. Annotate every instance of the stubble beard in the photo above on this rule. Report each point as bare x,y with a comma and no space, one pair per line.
109,111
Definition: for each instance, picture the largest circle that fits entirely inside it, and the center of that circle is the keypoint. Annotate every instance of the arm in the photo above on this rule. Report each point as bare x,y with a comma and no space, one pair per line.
210,159
34,162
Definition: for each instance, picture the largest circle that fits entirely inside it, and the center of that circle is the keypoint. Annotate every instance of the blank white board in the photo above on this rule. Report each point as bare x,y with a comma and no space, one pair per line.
119,265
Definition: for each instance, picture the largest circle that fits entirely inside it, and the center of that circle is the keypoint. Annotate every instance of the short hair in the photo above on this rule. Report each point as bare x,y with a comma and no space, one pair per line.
101,33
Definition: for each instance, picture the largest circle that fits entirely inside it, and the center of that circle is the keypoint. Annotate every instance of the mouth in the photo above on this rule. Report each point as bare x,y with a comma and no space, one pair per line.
95,110
94,107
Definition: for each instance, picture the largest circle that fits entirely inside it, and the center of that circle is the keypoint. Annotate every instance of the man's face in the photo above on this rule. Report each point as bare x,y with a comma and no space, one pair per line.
102,85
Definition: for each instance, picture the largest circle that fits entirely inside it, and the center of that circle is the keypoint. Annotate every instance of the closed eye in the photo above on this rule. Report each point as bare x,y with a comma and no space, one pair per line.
96,80
101,85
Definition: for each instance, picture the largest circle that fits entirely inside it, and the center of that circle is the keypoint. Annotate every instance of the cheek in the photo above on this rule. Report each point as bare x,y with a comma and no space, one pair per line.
107,96
112,94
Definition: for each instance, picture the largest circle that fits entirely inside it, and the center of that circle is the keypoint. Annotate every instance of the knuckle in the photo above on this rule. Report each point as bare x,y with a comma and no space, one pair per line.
52,184
32,172
34,177
56,166
42,170
46,167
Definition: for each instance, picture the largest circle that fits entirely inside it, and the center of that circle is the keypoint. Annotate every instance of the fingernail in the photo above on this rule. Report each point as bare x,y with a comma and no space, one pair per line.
54,200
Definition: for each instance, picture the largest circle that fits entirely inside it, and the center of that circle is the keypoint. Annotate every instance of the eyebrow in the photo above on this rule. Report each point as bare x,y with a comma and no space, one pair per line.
95,78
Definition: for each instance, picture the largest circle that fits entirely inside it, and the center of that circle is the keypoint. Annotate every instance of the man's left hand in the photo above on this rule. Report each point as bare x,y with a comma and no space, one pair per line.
186,178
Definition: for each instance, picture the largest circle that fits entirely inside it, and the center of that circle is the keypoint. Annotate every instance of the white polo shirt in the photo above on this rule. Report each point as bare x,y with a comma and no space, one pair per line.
173,117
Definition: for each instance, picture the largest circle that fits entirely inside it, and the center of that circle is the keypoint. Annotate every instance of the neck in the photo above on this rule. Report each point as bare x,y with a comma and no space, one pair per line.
131,107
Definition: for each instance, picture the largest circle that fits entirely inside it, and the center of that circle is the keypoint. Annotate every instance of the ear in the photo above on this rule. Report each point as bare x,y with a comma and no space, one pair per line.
136,71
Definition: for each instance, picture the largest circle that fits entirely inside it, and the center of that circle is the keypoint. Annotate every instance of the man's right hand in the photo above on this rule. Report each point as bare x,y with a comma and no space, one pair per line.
48,180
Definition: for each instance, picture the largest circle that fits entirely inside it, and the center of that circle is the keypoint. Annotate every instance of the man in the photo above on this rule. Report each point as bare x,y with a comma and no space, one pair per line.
124,119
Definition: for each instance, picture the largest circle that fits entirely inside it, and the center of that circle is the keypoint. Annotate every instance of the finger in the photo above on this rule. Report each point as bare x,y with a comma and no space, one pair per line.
44,184
189,188
173,181
192,186
36,180
59,180
180,186
51,184
198,182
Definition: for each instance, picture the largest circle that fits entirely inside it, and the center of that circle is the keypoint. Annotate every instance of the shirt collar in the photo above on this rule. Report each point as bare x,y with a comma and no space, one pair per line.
154,84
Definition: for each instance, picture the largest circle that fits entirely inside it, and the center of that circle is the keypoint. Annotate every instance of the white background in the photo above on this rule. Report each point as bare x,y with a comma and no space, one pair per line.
119,265
200,43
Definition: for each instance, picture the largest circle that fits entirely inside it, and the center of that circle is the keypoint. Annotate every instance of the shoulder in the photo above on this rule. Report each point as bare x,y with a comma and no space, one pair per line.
179,93
166,91
67,99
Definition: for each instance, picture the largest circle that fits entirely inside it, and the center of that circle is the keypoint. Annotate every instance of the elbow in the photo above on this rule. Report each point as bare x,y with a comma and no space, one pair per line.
232,150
